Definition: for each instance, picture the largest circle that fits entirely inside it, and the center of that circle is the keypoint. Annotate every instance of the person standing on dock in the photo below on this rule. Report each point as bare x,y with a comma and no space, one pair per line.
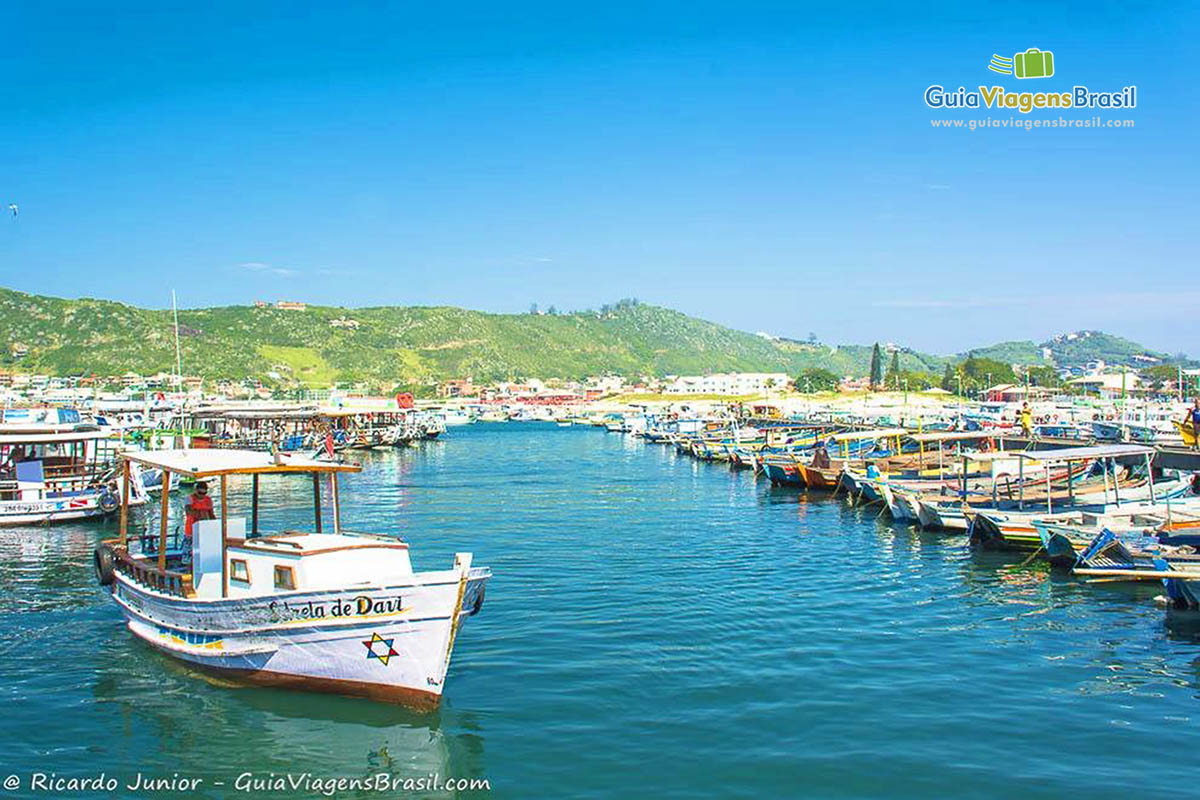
199,506
1026,417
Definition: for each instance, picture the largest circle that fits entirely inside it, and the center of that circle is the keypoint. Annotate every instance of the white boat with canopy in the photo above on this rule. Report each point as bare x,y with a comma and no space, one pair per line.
60,474
322,609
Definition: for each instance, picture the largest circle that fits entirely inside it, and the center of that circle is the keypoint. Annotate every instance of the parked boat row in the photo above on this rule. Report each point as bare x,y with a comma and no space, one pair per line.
1104,509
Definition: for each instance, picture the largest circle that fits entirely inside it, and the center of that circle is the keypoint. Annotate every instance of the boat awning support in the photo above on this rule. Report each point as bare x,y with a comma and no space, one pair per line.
253,506
125,505
337,505
317,502
164,510
1150,478
1112,462
1070,484
1049,493
1021,478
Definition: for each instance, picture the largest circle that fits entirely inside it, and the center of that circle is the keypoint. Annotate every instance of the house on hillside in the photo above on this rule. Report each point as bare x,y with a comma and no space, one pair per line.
291,305
457,387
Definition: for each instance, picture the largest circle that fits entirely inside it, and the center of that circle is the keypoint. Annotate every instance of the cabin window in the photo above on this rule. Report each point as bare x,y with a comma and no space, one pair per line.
285,578
238,571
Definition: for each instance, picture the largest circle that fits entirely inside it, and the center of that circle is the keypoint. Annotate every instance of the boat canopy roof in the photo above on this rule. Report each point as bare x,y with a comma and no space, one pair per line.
1068,453
45,436
206,462
877,433
242,413
952,436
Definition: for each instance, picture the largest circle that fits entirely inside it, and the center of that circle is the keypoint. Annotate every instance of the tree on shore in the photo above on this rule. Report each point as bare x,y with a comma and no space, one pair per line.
948,382
893,373
876,367
816,379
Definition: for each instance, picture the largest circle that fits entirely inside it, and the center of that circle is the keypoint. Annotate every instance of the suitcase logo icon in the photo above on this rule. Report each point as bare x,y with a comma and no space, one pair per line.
1033,63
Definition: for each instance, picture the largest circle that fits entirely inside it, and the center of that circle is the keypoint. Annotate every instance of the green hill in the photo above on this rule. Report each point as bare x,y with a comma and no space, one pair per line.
1025,352
389,344
392,344
1082,346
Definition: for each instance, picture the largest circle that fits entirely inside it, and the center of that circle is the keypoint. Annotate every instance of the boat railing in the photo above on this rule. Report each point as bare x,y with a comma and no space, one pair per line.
177,584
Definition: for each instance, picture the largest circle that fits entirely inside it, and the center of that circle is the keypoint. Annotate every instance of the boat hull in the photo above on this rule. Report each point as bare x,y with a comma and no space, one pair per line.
390,644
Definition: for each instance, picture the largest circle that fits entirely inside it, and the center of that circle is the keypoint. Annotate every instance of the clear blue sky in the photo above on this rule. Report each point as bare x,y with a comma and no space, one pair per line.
767,166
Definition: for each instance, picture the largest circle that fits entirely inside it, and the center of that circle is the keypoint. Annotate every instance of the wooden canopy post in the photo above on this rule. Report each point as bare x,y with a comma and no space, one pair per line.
1150,478
225,537
165,509
1021,478
125,504
316,480
253,505
1116,487
337,505
1049,507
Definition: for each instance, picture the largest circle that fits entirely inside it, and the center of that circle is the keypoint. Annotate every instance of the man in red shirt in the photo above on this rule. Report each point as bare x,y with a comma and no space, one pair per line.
199,506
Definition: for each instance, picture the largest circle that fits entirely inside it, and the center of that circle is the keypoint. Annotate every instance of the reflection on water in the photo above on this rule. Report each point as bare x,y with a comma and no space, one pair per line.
656,626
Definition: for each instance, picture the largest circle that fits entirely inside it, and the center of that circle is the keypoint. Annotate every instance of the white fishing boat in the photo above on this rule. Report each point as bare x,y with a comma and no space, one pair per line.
319,610
452,417
56,475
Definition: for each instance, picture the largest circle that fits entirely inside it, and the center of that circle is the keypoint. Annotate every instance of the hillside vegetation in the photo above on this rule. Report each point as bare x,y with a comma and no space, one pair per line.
392,344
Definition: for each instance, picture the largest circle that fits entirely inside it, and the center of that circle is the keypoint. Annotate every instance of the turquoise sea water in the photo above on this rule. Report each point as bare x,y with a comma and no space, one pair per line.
656,627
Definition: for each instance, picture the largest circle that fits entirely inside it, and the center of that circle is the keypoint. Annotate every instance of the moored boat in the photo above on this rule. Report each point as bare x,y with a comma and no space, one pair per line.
60,475
322,610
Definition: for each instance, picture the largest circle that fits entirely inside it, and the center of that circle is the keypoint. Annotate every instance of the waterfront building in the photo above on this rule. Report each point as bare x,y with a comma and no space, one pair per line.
731,383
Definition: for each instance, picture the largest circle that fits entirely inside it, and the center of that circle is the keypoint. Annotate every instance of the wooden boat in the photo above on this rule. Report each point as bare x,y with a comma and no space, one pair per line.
821,477
1015,530
59,475
783,469
319,610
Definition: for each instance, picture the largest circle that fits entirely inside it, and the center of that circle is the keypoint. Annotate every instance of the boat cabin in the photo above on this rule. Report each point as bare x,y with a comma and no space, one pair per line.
233,555
54,465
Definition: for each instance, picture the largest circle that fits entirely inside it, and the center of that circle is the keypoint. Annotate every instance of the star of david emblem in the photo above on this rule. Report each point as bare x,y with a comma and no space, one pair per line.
378,647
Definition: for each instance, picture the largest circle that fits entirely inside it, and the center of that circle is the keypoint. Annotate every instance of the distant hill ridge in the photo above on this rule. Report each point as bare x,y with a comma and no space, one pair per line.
317,345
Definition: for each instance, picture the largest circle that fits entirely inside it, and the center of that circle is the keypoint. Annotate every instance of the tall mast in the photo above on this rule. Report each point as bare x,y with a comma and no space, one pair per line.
178,356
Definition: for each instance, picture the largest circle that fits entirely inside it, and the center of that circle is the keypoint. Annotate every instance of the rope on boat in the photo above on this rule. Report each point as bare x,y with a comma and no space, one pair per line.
1029,560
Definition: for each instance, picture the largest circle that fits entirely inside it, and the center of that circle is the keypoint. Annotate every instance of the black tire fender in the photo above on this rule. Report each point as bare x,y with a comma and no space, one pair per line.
105,562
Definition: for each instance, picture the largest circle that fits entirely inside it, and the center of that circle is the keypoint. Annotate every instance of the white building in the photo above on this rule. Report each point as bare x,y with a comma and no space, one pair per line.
731,383
1108,384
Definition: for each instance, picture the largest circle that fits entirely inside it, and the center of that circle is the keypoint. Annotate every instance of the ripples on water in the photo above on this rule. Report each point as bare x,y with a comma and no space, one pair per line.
655,627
